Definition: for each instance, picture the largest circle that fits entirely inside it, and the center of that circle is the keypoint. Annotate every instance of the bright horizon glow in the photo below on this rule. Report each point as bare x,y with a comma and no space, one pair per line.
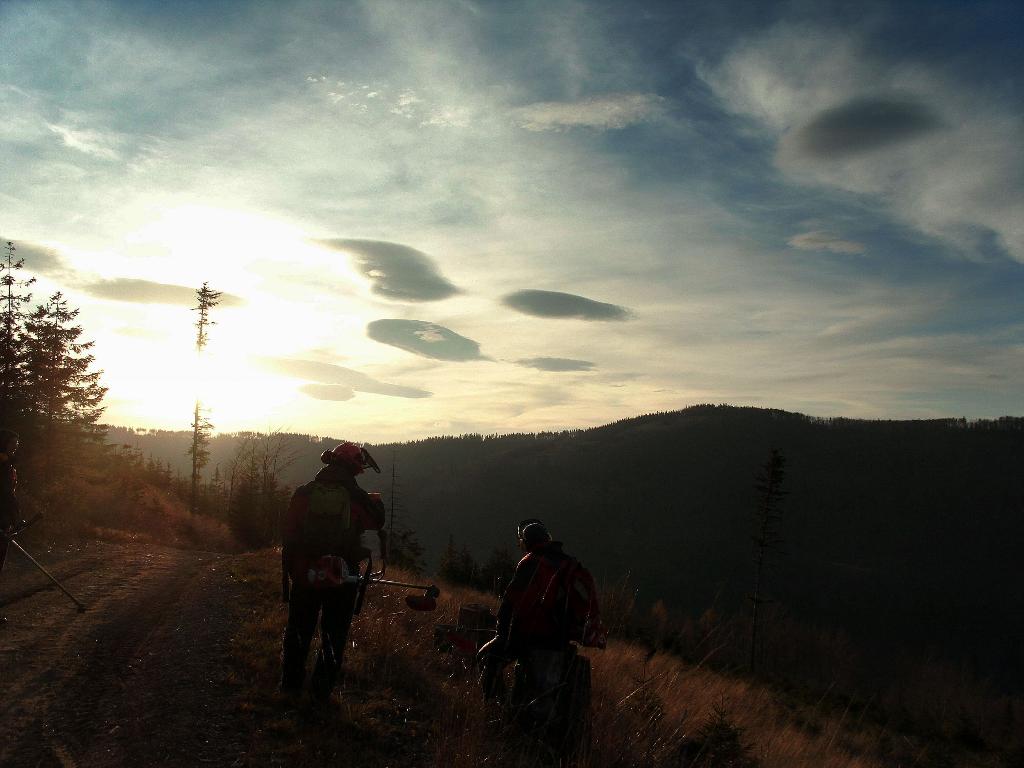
438,218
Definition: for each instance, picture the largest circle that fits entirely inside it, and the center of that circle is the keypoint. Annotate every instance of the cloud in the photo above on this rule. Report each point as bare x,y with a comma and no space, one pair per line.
557,304
148,292
818,240
603,113
90,142
397,271
865,124
962,185
424,339
140,333
556,364
38,258
336,392
333,381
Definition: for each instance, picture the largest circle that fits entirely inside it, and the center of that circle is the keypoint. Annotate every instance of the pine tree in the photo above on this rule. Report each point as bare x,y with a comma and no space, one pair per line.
207,299
405,550
448,568
214,495
457,565
64,395
496,573
199,451
13,390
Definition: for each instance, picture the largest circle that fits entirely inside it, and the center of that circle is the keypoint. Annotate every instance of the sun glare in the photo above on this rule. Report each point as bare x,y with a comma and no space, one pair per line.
261,266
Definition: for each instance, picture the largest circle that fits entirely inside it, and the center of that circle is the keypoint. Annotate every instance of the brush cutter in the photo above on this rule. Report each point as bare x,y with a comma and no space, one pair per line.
425,602
332,571
11,539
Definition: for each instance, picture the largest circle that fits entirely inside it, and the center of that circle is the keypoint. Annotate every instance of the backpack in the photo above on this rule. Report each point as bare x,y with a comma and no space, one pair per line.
328,518
572,596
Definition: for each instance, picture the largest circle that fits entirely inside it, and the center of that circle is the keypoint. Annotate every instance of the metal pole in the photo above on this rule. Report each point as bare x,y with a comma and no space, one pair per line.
50,576
401,584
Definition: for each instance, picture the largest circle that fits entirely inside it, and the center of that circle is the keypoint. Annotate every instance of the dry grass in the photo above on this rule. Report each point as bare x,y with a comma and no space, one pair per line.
106,501
402,703
157,517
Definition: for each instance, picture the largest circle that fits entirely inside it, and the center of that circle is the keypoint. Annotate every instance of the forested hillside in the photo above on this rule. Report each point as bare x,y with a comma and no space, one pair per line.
903,534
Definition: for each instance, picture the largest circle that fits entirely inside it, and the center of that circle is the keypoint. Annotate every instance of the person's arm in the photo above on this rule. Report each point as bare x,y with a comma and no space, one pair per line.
516,594
291,525
291,529
9,511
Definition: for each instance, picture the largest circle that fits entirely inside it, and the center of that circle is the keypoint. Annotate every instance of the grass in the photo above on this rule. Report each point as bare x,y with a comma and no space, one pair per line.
156,516
403,704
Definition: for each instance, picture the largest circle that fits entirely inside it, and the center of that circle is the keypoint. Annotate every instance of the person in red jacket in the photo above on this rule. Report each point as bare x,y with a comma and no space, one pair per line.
10,515
321,540
525,621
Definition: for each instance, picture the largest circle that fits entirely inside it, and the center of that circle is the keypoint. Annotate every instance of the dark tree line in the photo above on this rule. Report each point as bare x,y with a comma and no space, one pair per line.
458,566
49,390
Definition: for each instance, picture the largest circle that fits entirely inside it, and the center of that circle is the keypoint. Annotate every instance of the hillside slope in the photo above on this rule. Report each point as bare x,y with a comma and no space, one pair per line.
403,703
904,534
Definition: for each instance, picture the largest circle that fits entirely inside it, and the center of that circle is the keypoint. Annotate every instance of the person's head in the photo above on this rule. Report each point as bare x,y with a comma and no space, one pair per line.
8,441
353,457
532,533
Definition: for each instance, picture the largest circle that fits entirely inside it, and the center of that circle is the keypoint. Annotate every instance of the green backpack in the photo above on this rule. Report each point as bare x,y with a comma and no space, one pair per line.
328,520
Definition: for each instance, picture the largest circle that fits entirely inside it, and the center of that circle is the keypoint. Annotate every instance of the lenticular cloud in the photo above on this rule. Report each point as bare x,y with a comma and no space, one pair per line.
557,304
424,339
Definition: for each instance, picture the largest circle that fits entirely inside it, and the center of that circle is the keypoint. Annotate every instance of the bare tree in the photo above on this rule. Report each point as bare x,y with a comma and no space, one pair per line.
767,536
256,496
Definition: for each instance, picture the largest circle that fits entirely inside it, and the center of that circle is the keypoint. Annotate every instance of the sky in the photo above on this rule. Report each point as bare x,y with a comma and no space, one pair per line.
445,217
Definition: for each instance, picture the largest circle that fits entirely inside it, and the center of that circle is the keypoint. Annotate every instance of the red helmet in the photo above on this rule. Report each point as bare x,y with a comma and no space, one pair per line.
350,455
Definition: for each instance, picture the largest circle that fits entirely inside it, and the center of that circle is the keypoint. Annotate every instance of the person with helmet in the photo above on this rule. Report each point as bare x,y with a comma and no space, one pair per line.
525,619
9,512
321,540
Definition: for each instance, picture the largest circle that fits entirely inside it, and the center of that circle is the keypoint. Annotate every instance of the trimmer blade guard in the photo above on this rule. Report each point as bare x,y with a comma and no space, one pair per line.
369,462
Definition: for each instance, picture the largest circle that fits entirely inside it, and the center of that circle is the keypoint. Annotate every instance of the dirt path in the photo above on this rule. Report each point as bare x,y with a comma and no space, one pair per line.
137,679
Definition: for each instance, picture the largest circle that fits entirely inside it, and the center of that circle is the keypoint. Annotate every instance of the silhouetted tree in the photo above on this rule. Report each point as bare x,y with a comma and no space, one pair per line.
767,536
207,299
13,393
405,550
198,451
458,565
496,572
256,497
64,394
448,567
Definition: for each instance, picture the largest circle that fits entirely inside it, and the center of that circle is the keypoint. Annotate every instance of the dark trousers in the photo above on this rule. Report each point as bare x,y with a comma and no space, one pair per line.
499,652
334,609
